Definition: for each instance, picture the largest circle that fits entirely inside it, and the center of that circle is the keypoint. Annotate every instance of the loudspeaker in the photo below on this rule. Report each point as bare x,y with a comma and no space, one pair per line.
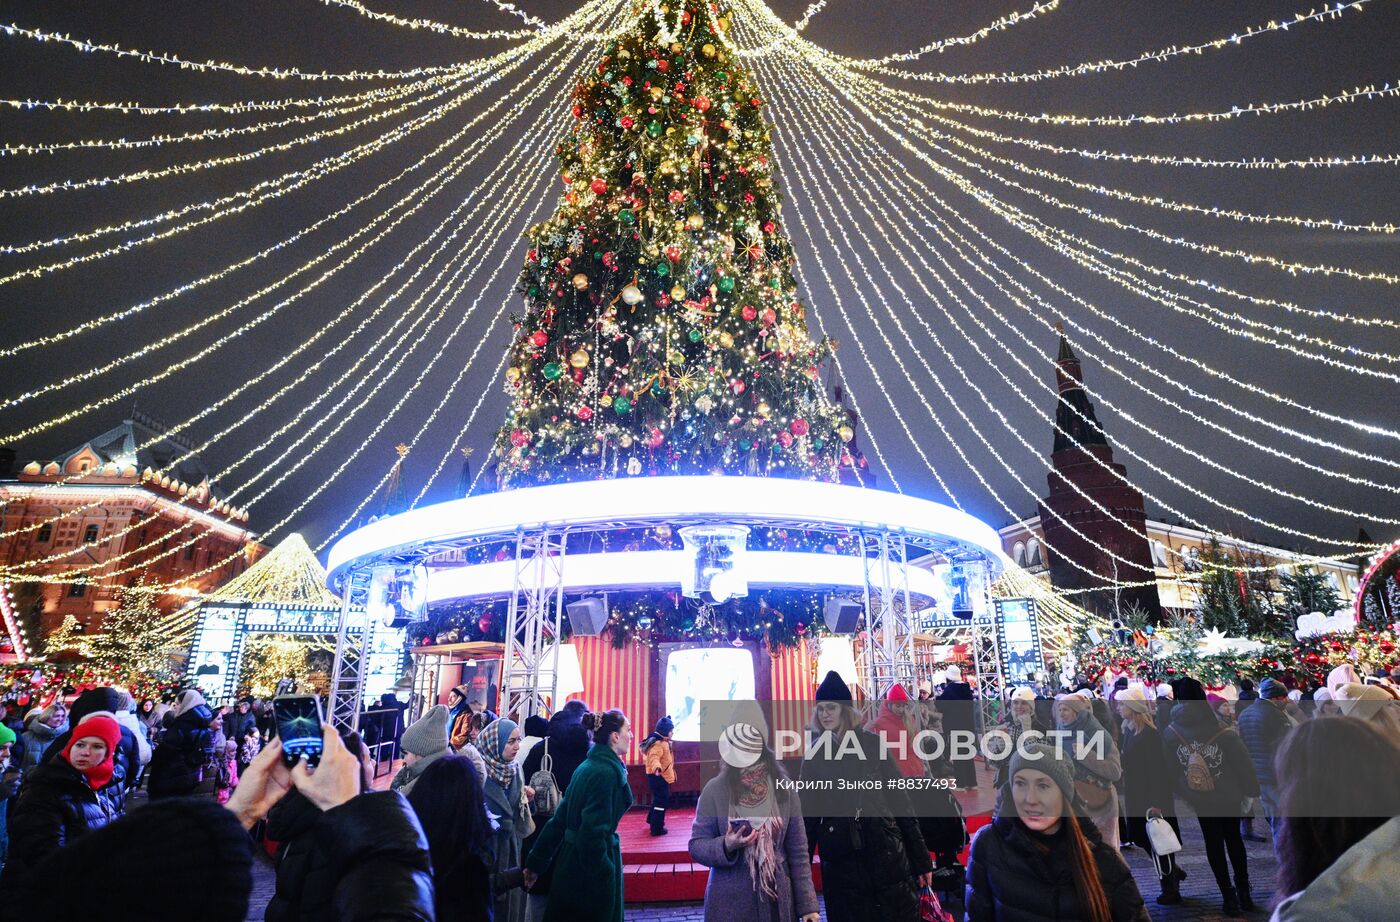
587,617
841,615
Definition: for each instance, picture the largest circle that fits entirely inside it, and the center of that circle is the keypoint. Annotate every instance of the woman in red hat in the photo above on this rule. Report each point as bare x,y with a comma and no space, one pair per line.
65,797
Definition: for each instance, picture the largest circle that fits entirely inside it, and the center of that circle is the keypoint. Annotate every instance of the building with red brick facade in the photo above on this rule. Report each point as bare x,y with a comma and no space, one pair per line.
133,504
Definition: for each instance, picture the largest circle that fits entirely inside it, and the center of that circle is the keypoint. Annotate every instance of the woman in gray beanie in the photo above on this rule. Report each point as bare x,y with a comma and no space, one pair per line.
424,742
1038,860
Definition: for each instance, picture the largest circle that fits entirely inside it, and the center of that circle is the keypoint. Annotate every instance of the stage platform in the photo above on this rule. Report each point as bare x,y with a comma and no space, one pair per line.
658,869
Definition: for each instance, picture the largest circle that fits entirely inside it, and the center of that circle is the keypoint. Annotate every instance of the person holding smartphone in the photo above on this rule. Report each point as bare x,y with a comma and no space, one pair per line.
749,832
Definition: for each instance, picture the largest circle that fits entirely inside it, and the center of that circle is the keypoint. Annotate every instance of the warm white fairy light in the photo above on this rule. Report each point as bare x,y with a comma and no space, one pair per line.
208,134
488,193
983,197
908,199
899,251
465,254
1290,335
441,28
1232,40
134,107
180,169
249,198
807,177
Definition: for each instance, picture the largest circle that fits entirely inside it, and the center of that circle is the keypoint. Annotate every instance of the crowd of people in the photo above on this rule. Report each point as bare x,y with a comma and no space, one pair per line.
490,819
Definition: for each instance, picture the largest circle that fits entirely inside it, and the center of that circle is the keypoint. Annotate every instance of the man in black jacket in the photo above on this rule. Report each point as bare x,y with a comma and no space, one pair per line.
1262,726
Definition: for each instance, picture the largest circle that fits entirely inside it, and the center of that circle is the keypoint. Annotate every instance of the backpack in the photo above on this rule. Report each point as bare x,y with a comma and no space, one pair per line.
546,799
1199,777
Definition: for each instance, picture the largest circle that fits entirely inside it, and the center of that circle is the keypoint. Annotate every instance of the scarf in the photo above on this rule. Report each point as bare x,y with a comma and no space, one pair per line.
492,745
756,806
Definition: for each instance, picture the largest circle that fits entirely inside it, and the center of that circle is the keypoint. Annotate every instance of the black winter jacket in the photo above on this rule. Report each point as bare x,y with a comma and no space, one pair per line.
377,857
1012,877
1263,726
1148,778
1194,728
55,806
185,748
868,864
304,883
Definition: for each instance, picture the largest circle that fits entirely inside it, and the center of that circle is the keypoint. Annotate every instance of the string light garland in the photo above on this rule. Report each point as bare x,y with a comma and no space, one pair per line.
899,252
1321,14
345,463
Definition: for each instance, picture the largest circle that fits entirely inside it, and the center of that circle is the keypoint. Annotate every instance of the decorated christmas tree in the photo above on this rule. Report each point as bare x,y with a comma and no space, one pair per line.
134,646
662,332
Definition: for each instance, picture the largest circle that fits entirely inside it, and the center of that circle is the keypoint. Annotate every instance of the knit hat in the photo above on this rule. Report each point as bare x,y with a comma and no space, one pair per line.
953,674
1322,694
535,725
1023,693
462,690
1272,688
1165,691
190,699
110,732
1133,698
897,693
1363,701
124,701
7,736
665,726
1047,759
428,734
833,688
201,846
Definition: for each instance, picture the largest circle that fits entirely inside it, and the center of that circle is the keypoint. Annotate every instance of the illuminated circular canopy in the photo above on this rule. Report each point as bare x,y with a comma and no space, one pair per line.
604,505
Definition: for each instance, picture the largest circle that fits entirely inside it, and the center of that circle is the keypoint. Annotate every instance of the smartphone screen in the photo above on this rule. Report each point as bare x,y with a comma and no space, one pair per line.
299,727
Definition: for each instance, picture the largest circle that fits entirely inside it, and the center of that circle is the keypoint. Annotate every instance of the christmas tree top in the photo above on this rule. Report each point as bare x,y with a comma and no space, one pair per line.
662,332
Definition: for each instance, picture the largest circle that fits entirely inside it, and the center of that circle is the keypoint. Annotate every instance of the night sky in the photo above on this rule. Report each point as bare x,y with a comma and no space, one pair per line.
1309,61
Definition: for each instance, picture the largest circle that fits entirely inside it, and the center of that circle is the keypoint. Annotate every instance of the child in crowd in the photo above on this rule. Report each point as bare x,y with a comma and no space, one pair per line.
661,772
227,778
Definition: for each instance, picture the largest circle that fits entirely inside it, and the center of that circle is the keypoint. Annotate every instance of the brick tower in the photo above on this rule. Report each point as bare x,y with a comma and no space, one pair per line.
1080,446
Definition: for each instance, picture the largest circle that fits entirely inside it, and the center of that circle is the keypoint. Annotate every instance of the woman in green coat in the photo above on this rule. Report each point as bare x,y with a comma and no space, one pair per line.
580,841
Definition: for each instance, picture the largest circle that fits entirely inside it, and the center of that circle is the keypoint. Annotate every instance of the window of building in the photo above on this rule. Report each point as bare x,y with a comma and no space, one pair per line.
45,533
1019,554
1159,553
189,552
1033,558
77,590
90,534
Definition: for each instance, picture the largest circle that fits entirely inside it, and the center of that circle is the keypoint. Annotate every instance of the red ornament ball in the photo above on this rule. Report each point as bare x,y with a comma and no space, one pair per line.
702,103
539,338
598,186
655,437
770,316
785,439
748,312
798,426
737,387
520,438
585,413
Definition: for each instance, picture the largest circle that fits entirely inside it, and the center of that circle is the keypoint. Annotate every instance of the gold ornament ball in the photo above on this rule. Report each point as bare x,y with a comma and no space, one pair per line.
605,401
513,374
677,358
580,281
625,441
632,295
726,339
657,92
678,293
695,222
763,408
579,359
708,50
722,25
846,433
677,48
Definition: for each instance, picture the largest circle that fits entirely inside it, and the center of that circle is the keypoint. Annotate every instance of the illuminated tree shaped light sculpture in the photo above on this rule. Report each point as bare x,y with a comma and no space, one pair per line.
662,331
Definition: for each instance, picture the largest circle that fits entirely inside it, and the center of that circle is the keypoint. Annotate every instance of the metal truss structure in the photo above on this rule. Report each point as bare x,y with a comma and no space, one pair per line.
352,641
530,672
889,647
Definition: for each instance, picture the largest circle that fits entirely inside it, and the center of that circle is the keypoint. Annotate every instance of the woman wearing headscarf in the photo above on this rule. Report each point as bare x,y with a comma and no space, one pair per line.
873,858
1097,763
749,832
504,791
459,714
41,728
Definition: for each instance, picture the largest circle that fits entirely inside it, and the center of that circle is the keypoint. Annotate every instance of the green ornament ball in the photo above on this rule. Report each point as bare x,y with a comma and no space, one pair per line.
775,283
817,444
726,283
533,291
695,336
663,269
553,371
622,406
626,216
745,445
654,129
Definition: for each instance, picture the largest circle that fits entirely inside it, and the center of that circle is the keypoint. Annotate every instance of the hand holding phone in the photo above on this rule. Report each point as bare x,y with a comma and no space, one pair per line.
299,722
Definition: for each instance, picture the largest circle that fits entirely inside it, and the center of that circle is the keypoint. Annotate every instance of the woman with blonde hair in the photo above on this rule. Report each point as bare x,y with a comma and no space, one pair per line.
1147,784
1097,763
